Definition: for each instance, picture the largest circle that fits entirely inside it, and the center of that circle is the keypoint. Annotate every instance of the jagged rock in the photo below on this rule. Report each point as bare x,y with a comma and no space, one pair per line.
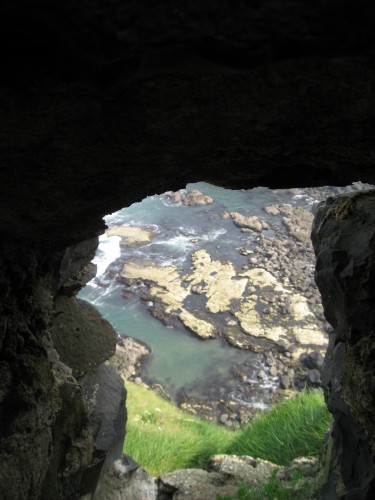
131,235
95,93
343,240
105,397
191,198
194,484
126,480
81,336
76,268
247,222
129,352
311,360
195,197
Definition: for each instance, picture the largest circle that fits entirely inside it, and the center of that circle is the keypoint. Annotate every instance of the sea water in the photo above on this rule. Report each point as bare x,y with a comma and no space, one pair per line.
180,360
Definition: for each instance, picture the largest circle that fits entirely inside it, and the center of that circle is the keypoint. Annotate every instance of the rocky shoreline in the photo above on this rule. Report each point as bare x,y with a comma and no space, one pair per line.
269,305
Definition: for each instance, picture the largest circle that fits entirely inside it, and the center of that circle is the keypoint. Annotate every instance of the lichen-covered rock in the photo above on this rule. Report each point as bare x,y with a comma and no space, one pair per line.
248,222
191,198
131,235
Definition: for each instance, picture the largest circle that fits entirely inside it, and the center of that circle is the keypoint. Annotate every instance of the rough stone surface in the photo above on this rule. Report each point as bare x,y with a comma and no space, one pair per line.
131,235
78,328
105,398
129,354
343,237
102,104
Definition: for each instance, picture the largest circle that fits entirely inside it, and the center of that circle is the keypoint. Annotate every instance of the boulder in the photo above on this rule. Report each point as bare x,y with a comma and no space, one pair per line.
195,197
126,480
81,336
313,377
312,360
247,222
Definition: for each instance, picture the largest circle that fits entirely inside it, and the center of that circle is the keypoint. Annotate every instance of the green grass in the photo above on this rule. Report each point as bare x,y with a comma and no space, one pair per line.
297,489
294,428
162,438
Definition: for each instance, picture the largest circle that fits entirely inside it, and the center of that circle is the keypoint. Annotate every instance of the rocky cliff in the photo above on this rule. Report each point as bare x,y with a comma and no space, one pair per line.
103,103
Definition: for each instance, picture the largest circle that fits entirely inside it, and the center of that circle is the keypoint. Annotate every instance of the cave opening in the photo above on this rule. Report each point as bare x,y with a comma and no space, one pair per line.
183,267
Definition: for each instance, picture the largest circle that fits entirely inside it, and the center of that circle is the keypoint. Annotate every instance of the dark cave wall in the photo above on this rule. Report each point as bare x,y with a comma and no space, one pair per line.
103,103
343,238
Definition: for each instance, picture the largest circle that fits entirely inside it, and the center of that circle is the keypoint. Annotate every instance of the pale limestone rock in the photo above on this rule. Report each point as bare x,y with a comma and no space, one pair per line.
244,468
203,328
131,235
272,210
220,286
248,222
195,197
228,290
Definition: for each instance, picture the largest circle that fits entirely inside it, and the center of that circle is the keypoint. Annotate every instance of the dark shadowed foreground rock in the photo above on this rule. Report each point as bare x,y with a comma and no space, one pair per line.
344,237
104,103
105,397
78,328
125,480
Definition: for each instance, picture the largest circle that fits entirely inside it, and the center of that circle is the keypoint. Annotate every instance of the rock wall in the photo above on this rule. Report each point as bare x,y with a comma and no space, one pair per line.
103,103
343,237
57,426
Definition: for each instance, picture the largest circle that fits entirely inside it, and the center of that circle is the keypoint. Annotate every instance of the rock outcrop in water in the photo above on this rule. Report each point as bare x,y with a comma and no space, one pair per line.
270,305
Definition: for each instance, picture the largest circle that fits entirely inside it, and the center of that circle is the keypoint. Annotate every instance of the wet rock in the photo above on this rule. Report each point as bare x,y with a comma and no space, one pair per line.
131,235
191,198
247,222
273,371
262,375
195,197
272,210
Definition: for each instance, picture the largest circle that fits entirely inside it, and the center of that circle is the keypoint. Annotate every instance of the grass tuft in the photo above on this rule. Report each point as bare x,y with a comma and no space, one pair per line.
294,428
162,438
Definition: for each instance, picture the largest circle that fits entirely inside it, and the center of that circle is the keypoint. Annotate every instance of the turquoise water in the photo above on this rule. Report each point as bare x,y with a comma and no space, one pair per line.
180,360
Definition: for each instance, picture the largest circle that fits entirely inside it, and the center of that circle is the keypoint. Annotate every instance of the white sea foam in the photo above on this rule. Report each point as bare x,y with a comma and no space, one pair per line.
256,405
108,251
